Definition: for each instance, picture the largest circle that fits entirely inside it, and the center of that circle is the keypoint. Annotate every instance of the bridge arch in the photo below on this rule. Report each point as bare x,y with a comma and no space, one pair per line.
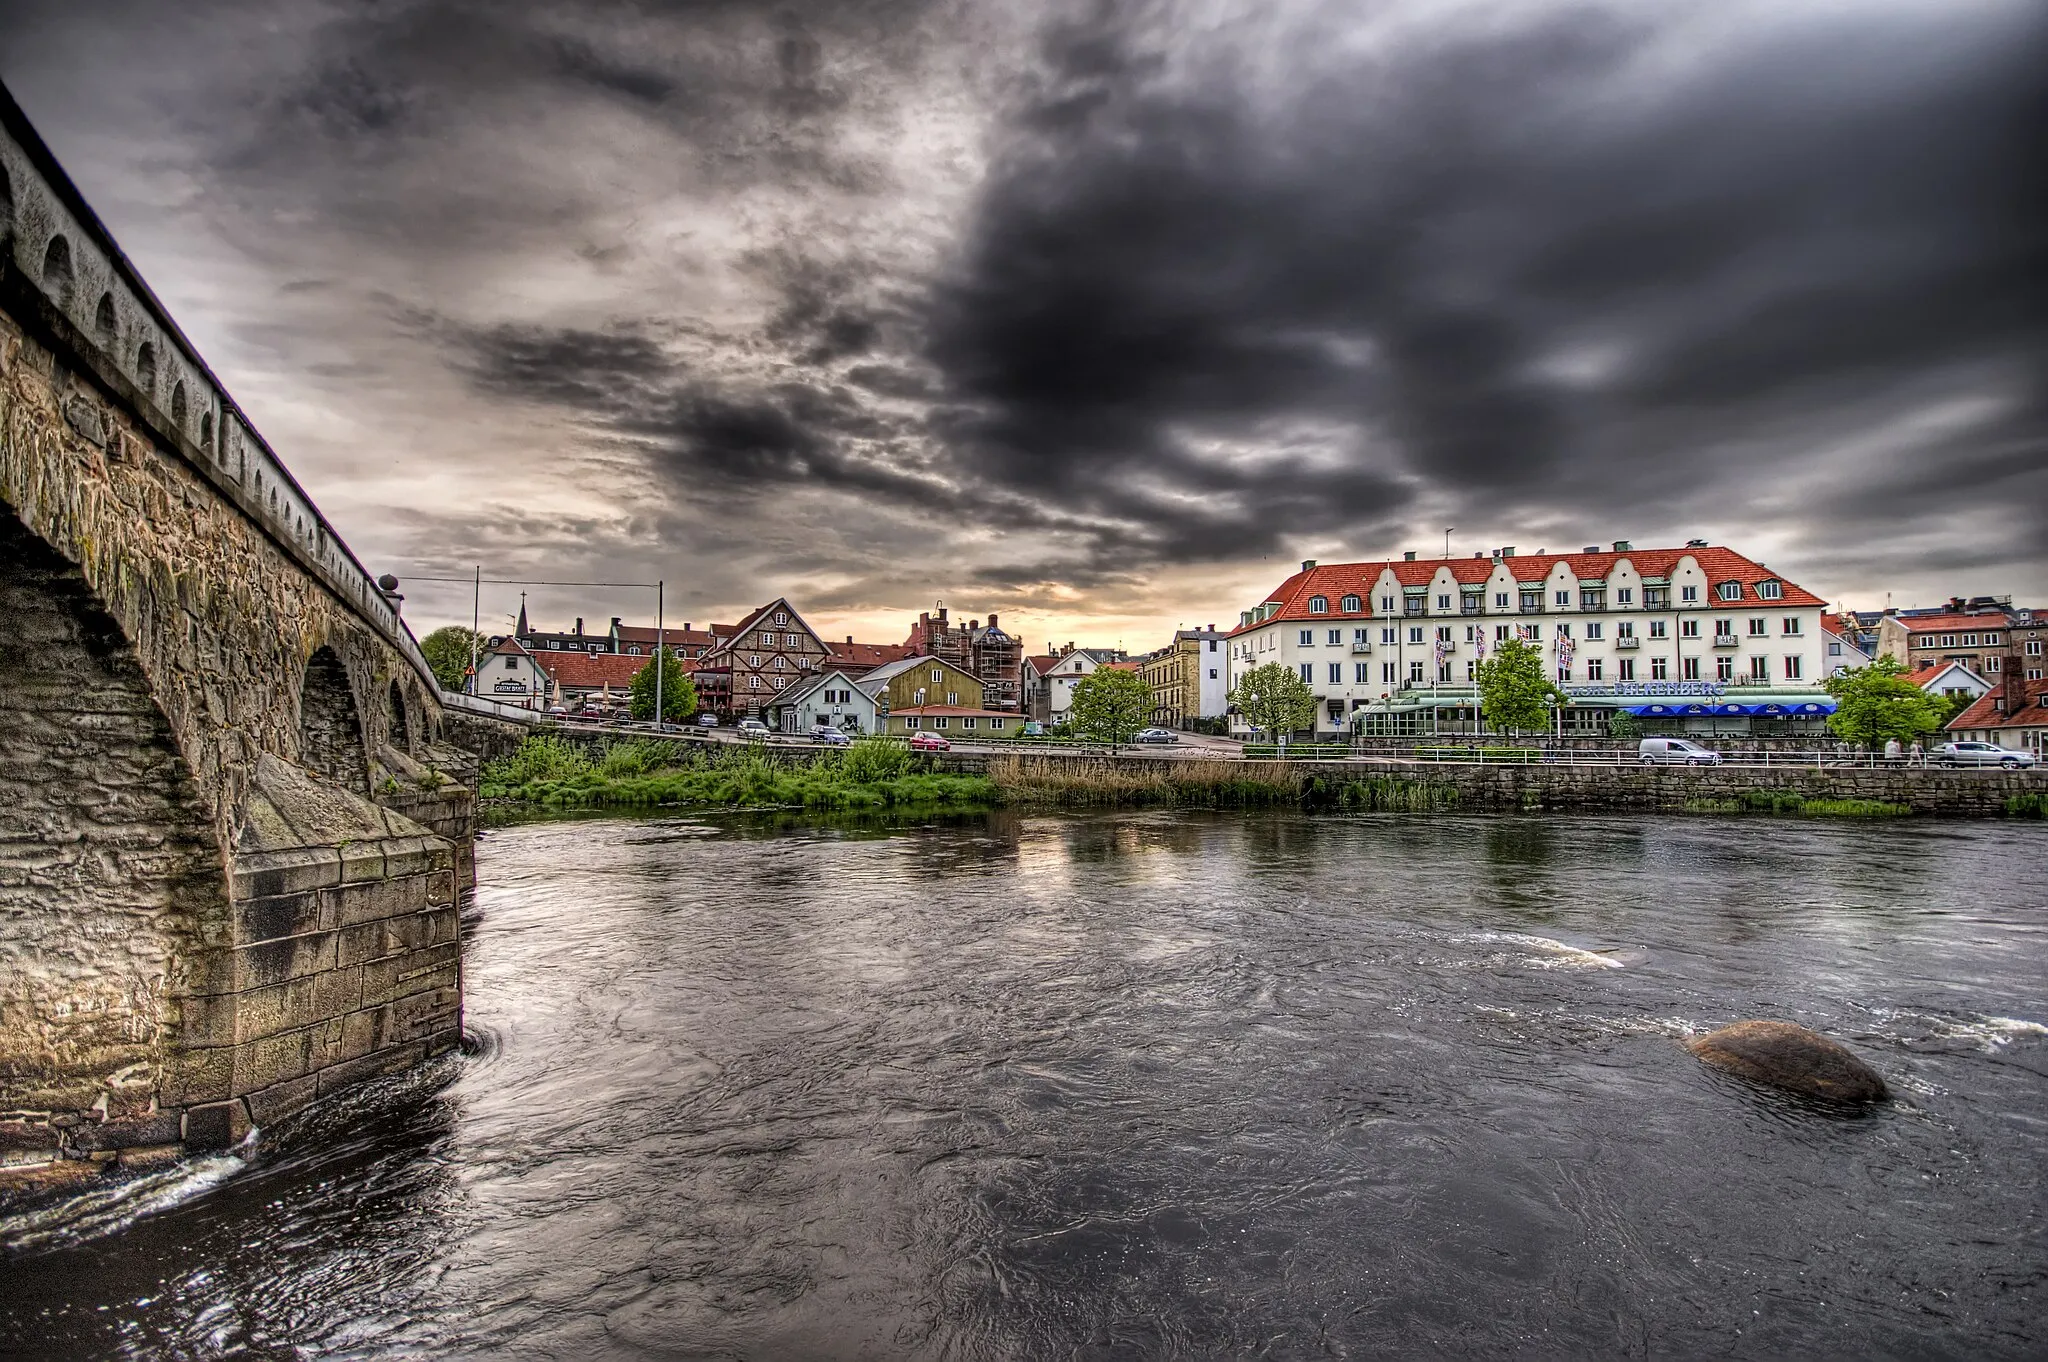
330,727
110,868
401,720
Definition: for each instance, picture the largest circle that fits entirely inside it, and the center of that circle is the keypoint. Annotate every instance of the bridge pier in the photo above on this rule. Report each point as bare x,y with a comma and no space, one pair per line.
231,838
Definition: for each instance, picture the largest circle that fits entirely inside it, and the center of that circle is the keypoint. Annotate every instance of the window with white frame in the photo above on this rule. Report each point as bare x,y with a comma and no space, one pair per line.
782,617
1306,639
1336,673
1595,630
1790,625
1770,590
1724,668
1659,629
1319,605
1794,667
1757,628
1350,604
1415,634
1759,668
1386,605
1361,673
1443,602
1387,673
1595,669
1688,595
1500,600
1729,591
1415,672
1659,669
1689,669
1387,635
1625,596
1564,598
1625,669
1336,638
910,721
1564,673
1688,628
940,721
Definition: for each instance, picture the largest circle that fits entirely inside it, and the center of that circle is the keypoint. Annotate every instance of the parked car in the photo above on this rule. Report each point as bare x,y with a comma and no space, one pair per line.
1981,754
1156,735
754,728
707,720
1676,752
929,742
830,736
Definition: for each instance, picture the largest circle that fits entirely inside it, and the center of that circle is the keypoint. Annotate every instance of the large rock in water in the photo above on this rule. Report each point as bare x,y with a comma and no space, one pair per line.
1790,1057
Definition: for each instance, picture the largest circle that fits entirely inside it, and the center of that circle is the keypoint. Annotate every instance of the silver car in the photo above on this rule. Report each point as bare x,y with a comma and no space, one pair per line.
1676,752
1981,754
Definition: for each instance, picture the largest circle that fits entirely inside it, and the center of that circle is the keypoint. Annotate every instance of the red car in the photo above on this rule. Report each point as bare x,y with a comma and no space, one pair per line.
929,742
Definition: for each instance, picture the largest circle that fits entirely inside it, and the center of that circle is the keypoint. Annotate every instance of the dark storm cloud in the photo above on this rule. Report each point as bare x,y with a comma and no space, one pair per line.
1534,264
1075,303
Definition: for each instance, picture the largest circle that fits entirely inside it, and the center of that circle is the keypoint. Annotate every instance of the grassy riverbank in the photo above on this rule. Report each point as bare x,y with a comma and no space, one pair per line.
875,773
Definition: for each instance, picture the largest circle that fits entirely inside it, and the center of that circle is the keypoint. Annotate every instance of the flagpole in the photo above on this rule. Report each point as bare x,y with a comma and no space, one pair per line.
660,661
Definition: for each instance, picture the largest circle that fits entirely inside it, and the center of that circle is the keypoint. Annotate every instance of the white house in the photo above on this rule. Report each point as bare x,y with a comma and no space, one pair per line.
1049,679
1699,628
509,674
1950,680
832,698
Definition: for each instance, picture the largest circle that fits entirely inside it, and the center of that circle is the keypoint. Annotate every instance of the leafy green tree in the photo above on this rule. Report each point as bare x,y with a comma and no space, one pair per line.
678,691
1275,699
1514,693
447,651
1876,703
1110,705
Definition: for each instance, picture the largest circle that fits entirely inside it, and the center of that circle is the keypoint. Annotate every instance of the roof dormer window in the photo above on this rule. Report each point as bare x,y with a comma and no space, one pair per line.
1350,605
1319,605
1770,589
1729,591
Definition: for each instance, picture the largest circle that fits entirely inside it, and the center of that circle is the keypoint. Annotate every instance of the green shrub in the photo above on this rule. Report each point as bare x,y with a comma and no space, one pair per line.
875,757
540,757
2027,806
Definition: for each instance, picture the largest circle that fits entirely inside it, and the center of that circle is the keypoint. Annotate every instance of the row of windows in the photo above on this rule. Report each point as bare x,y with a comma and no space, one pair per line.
1788,627
1689,669
966,721
788,640
1969,641
1470,600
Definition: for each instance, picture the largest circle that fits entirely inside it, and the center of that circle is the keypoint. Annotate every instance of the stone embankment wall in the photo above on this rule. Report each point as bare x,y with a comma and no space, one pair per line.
1506,788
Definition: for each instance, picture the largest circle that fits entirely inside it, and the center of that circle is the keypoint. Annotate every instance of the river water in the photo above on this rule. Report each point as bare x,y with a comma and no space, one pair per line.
1146,1085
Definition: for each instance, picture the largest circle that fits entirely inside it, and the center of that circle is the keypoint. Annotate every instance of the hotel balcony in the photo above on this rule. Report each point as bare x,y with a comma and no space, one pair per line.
1361,649
1727,641
1627,641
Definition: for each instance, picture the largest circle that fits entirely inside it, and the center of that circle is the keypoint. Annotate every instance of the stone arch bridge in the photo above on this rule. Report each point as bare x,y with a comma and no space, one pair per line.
230,841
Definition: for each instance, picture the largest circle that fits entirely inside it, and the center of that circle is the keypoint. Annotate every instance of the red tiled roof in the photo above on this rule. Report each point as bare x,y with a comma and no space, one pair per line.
1043,663
1920,624
868,655
1131,665
1334,581
1983,711
591,669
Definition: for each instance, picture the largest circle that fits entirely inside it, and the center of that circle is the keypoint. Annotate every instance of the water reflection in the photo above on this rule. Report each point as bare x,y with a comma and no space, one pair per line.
1153,1085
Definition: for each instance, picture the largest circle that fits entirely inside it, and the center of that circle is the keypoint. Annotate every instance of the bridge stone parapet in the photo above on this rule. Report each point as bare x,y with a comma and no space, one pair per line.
203,696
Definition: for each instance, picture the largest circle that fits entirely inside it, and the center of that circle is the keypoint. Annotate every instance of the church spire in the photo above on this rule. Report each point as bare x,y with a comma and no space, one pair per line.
522,630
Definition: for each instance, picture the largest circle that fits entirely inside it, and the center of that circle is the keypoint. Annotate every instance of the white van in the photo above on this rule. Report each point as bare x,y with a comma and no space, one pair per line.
1676,751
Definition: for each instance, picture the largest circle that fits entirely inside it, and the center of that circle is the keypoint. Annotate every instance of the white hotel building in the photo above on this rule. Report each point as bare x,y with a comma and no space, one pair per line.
1696,639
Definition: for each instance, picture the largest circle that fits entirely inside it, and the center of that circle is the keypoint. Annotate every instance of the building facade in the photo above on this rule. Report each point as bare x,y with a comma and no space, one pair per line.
1189,677
833,698
1049,679
1975,633
1686,632
749,667
510,674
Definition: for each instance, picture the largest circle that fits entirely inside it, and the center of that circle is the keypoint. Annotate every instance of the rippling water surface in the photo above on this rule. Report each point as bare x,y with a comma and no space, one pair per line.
1147,1085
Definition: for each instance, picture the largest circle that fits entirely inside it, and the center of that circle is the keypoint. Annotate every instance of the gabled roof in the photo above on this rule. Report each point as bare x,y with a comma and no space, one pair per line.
754,617
1983,711
1334,581
1043,663
890,671
1926,677
509,644
795,694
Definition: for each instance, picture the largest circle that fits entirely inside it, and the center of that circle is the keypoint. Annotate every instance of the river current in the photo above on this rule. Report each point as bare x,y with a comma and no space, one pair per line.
1145,1085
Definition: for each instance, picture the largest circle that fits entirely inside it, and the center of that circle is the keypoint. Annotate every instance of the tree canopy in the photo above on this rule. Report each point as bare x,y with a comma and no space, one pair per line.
1275,699
1876,703
447,651
678,691
1514,694
1110,705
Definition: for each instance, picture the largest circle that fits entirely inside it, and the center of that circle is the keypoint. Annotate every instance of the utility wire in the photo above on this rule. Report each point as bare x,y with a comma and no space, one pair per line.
518,581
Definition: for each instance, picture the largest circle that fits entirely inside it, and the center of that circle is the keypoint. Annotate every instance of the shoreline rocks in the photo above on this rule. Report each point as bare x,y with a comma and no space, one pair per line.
1787,1056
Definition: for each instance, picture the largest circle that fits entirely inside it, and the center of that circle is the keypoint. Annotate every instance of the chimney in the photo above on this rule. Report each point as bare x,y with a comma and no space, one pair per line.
1621,546
1590,548
992,617
942,614
1508,552
579,626
615,624
1408,556
849,640
1308,564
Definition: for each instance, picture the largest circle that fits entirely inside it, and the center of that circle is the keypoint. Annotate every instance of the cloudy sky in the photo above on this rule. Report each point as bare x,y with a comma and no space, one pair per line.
1101,315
